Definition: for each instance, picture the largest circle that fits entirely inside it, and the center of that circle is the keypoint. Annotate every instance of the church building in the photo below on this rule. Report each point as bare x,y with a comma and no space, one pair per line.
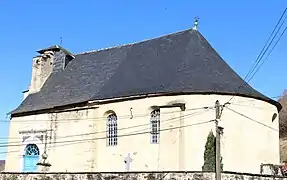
145,106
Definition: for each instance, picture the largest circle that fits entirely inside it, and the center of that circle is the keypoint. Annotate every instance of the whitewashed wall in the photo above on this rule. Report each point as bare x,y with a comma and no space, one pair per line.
245,143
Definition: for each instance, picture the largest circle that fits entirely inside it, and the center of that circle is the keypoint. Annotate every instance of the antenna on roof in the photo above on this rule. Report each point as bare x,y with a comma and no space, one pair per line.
196,19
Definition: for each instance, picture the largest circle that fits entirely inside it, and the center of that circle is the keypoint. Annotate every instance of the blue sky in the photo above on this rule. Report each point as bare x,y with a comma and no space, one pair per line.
236,29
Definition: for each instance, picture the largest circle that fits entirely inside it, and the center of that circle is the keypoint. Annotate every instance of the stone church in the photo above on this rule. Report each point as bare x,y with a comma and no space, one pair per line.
145,106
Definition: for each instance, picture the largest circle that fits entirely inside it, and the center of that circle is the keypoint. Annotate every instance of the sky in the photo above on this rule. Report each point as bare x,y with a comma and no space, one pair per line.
236,29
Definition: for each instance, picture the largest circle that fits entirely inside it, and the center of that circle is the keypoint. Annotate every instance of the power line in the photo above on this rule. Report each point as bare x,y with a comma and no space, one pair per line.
269,52
102,118
261,54
72,142
244,102
252,107
252,119
253,99
86,134
195,113
124,135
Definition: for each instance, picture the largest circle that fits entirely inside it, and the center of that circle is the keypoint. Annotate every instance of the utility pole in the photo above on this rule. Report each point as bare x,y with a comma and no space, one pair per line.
44,164
217,146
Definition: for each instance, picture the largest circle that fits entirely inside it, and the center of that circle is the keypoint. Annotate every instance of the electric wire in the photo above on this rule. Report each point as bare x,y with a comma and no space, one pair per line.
241,114
204,108
71,142
262,53
125,128
264,49
269,53
102,118
249,106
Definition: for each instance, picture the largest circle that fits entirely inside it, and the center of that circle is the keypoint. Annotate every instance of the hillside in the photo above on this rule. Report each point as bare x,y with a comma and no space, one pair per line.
283,127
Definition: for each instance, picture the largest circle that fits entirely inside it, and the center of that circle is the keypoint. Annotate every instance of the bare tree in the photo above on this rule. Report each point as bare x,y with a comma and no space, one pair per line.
283,115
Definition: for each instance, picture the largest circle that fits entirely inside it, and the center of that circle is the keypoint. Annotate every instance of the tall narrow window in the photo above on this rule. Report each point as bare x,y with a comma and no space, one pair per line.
112,130
155,126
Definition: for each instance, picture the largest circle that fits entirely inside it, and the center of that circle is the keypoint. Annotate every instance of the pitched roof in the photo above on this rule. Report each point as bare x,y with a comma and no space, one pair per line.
182,62
55,47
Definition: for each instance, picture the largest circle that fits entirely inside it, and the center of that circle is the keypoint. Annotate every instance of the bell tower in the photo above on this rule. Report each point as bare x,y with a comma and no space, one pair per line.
50,60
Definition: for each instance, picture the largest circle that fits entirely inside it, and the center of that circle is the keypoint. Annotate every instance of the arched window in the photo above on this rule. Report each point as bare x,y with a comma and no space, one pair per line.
155,126
31,158
112,130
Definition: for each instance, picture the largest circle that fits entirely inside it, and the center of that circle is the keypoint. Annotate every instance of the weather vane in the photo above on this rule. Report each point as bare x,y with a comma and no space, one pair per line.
196,19
61,41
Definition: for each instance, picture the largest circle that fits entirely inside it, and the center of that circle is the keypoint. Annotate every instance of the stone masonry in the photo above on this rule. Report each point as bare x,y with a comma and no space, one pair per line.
137,176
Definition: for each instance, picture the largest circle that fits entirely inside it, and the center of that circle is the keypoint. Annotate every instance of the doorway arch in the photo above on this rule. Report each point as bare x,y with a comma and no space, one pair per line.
31,158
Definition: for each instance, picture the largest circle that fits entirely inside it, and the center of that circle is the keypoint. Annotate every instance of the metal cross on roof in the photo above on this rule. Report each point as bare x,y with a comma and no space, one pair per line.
196,19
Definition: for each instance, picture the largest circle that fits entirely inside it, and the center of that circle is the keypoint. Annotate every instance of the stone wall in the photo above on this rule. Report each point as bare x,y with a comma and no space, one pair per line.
137,176
77,138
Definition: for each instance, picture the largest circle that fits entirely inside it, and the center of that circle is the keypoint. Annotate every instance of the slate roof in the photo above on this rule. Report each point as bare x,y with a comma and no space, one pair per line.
182,62
55,47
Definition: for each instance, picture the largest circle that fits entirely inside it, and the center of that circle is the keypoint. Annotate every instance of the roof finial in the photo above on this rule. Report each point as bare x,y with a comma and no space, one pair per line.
61,41
196,19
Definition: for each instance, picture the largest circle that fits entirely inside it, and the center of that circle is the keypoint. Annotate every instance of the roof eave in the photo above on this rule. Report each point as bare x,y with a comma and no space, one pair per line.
56,47
140,96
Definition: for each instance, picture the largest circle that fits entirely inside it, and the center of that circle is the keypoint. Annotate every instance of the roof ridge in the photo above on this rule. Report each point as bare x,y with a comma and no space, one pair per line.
103,49
130,44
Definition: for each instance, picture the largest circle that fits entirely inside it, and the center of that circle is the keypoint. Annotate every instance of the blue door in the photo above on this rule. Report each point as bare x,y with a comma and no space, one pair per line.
31,158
